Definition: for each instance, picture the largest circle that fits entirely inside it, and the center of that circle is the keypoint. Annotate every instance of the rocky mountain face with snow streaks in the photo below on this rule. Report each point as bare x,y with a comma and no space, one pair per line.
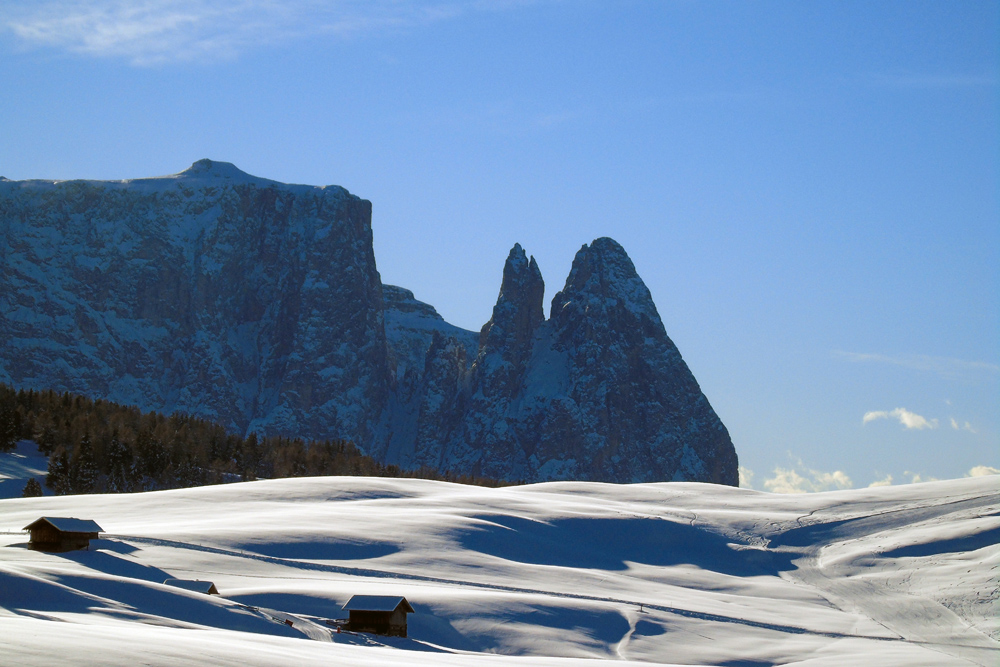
259,305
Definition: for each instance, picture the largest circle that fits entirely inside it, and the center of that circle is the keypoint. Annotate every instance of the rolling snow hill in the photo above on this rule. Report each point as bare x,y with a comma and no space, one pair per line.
548,574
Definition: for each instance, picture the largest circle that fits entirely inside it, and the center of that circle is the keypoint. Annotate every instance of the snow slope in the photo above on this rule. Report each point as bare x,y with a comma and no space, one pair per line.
20,465
546,574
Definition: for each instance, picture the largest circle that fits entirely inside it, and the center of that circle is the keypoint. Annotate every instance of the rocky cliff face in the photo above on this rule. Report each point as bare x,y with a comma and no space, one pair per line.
598,391
639,413
212,292
258,304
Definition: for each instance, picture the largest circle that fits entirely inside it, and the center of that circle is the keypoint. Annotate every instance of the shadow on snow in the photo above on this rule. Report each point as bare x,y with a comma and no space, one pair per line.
323,550
610,544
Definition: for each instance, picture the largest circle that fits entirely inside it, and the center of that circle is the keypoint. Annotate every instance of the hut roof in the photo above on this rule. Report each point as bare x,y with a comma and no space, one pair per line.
67,524
377,603
195,585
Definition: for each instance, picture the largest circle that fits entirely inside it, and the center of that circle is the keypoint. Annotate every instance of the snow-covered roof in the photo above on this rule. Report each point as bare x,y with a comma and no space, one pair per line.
67,524
377,603
195,585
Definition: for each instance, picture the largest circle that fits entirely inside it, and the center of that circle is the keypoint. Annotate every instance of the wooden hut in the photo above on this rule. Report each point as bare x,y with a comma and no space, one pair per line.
196,585
55,534
378,614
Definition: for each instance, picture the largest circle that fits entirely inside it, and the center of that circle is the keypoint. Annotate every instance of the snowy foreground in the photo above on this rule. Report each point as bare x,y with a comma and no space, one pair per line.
547,574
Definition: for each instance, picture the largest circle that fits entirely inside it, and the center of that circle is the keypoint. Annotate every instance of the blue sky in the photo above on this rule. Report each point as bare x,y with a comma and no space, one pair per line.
810,190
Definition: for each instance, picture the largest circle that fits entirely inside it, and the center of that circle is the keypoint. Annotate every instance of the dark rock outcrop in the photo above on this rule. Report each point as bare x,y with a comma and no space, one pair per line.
505,347
639,412
599,391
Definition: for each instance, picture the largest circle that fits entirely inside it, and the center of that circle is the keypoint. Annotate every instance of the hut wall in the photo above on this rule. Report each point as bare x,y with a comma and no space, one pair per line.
397,623
44,533
391,623
46,538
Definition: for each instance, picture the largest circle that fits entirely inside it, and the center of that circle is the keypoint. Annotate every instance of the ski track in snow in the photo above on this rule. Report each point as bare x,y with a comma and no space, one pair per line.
908,618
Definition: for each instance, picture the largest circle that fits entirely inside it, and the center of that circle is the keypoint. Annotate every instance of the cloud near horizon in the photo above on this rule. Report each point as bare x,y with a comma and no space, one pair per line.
160,31
910,420
788,480
885,481
798,479
806,480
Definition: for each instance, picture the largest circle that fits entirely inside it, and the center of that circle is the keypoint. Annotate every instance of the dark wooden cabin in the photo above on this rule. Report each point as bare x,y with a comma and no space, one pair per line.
55,534
196,585
378,614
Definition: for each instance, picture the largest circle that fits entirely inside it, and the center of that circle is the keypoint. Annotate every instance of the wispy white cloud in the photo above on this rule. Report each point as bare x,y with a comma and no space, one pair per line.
801,479
885,481
966,426
831,480
944,366
157,31
910,420
787,480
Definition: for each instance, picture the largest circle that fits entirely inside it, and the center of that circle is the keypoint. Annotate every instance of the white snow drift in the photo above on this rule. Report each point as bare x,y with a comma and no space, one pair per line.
546,574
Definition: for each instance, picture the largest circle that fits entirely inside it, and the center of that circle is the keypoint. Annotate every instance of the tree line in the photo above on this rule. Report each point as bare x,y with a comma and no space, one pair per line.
97,446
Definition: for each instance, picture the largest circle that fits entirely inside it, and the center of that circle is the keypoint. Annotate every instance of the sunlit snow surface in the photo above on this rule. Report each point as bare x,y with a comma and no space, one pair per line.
547,574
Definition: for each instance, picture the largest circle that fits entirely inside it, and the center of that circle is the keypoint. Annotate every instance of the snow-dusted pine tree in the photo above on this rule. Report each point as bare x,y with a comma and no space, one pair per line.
83,471
32,489
58,478
8,428
121,468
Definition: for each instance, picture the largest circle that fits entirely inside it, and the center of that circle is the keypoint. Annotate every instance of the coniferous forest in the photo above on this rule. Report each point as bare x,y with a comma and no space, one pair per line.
97,446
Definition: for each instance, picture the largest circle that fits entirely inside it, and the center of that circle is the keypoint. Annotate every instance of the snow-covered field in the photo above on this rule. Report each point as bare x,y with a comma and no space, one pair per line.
547,574
18,466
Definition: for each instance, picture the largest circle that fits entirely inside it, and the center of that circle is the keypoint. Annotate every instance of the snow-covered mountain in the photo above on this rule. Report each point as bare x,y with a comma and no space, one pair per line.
559,574
258,304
